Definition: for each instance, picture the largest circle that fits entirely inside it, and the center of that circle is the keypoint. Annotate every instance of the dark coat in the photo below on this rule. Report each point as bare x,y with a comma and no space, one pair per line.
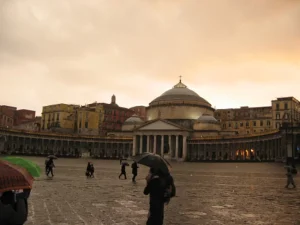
123,168
14,212
156,189
134,167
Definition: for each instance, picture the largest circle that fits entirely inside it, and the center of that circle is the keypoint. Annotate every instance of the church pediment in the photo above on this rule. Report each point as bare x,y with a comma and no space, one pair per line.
159,125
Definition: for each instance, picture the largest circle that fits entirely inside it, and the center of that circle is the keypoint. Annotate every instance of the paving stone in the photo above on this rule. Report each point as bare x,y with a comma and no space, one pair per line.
210,194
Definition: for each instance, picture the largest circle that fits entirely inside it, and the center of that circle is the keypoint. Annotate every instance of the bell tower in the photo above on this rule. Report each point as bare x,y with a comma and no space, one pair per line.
113,99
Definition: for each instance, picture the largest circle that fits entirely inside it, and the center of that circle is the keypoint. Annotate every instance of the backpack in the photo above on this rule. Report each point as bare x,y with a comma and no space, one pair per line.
170,191
294,171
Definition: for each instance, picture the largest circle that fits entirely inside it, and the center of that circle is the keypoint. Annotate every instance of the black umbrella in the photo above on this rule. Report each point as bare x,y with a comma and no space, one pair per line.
153,161
52,157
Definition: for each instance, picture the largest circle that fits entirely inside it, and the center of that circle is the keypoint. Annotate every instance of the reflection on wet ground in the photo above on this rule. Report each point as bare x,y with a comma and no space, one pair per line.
214,193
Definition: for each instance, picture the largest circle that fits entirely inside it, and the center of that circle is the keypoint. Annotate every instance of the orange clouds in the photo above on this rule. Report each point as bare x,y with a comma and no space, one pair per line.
91,49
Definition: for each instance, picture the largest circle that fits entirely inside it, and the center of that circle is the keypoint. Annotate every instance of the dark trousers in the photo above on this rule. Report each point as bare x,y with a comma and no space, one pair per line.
123,173
156,214
50,170
134,176
290,180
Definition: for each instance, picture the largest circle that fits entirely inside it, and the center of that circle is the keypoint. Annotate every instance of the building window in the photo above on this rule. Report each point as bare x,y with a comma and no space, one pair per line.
86,124
229,124
254,131
268,123
224,125
248,132
286,106
80,124
286,116
57,116
277,116
247,124
254,123
277,125
241,124
277,106
261,123
236,125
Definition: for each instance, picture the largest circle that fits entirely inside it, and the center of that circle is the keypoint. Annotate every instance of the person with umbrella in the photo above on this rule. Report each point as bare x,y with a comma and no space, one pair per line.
14,207
160,185
123,170
50,165
155,188
15,174
134,167
47,168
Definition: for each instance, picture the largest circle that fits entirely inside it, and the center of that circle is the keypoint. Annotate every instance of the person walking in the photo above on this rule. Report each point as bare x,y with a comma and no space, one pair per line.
46,166
134,167
155,188
14,207
88,170
50,166
290,172
123,170
92,170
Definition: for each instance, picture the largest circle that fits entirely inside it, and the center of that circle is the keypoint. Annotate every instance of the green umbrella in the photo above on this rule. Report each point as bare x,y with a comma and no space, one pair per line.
30,166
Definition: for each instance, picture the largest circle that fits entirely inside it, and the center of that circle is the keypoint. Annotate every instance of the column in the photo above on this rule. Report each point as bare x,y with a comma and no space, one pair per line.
176,149
162,146
184,148
170,145
134,146
154,144
148,143
141,144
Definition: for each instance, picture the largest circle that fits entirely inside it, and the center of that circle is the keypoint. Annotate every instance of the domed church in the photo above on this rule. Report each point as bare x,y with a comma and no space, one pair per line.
172,118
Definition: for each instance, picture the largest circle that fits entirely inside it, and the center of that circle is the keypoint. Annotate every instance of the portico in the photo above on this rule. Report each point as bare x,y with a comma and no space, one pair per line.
161,137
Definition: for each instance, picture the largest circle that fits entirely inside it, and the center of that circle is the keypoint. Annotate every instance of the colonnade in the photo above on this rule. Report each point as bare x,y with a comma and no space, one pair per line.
167,145
265,149
102,148
174,145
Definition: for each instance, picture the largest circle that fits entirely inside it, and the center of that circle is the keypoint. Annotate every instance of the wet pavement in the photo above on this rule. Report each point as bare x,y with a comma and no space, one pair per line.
216,193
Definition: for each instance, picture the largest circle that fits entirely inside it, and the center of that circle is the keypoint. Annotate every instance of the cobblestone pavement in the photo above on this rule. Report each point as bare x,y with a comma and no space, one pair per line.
228,193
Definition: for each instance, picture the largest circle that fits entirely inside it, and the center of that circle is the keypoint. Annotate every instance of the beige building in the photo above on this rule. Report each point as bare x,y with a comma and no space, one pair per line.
33,125
89,119
285,110
59,118
245,120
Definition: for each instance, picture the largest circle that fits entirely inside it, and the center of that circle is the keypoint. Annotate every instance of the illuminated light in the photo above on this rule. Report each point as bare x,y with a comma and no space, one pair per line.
252,150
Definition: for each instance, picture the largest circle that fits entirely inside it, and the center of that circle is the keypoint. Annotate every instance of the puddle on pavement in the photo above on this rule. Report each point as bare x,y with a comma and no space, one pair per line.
126,203
194,215
122,210
218,207
99,205
216,222
249,215
142,212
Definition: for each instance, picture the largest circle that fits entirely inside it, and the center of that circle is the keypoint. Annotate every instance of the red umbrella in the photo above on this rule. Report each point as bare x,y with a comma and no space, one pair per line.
13,177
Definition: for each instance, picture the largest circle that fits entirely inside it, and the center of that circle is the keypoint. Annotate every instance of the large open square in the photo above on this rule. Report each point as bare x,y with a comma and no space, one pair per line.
208,193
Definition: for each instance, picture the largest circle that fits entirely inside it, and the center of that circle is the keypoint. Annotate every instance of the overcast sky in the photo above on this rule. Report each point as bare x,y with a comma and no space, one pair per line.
231,52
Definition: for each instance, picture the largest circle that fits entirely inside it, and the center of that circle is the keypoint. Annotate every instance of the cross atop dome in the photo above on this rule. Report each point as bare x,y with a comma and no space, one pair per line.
180,84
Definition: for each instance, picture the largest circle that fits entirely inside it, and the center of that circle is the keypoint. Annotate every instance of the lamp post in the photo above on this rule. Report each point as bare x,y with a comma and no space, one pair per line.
292,130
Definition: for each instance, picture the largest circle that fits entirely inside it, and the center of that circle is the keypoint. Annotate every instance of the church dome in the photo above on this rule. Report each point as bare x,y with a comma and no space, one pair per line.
180,94
134,119
206,123
206,118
